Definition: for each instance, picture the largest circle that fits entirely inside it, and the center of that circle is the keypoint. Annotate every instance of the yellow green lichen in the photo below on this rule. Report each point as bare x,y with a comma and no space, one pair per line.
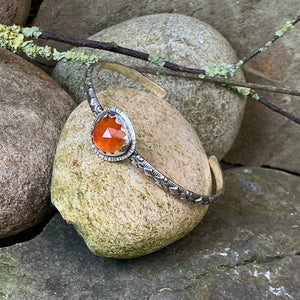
255,96
265,47
223,70
13,39
201,76
239,64
32,50
288,26
115,45
156,60
241,90
31,32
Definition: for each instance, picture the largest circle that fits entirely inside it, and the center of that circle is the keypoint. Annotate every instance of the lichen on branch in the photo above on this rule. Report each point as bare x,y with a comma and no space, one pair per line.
288,26
14,37
156,60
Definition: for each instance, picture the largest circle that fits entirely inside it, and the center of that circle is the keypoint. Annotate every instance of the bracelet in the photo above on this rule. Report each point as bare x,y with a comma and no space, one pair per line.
113,137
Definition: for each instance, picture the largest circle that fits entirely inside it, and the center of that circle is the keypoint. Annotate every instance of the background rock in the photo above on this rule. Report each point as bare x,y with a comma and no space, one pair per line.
214,112
265,137
14,11
119,211
33,109
247,247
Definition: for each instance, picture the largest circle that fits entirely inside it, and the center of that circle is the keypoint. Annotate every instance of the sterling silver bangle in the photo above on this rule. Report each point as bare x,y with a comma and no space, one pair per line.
113,137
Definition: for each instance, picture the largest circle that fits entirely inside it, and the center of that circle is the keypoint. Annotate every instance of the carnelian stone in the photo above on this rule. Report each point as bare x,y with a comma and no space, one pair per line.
108,136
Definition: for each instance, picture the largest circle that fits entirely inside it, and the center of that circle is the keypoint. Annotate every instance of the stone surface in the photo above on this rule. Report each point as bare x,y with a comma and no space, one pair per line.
33,109
265,138
14,11
119,211
214,112
247,247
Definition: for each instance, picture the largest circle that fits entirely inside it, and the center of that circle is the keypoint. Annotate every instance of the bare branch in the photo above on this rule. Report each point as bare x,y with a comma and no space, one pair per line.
113,47
274,107
267,88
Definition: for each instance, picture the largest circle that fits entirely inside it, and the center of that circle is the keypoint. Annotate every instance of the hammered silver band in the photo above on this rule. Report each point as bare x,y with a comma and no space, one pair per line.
160,179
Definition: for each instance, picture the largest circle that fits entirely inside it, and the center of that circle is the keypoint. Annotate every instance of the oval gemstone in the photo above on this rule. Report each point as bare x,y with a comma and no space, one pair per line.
108,135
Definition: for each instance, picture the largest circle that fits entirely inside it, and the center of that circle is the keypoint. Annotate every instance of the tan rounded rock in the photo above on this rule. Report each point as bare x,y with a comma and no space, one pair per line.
33,109
119,211
214,112
14,11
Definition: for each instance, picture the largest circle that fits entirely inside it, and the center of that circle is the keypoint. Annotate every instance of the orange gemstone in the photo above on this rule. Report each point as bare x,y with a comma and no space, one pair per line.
108,136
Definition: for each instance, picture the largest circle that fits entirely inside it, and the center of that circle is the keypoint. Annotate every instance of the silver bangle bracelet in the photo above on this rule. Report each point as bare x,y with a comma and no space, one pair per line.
113,137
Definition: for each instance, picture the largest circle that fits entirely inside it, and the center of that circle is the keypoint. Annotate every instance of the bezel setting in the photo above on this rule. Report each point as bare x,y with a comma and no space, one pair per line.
127,128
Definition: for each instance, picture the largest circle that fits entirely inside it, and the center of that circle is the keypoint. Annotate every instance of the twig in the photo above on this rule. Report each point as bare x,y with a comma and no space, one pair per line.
289,25
12,38
274,107
235,86
113,47
268,88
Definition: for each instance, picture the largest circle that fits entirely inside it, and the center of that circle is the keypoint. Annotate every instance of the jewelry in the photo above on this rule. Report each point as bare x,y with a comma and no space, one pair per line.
113,137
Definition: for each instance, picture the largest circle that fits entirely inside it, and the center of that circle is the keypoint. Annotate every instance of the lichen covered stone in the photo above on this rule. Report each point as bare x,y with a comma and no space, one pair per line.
119,211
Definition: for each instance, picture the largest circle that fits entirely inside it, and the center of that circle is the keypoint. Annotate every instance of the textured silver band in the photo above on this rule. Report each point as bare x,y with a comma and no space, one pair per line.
161,180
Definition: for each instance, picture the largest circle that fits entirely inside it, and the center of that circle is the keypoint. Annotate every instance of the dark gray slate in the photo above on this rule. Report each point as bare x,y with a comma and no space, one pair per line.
247,247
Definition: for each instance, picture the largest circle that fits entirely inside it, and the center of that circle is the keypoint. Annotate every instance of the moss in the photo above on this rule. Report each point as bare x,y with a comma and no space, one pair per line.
198,277
222,268
81,229
115,45
12,277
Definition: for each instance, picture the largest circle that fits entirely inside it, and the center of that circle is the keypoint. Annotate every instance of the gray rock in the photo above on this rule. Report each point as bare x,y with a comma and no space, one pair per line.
14,11
119,211
33,109
214,112
265,137
247,247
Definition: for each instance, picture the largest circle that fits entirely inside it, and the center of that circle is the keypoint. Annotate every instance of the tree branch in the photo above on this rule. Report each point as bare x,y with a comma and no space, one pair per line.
289,25
267,88
12,38
234,86
274,107
113,47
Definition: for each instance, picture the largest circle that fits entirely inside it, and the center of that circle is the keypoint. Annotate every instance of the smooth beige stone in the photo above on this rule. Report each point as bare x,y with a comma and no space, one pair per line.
119,211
